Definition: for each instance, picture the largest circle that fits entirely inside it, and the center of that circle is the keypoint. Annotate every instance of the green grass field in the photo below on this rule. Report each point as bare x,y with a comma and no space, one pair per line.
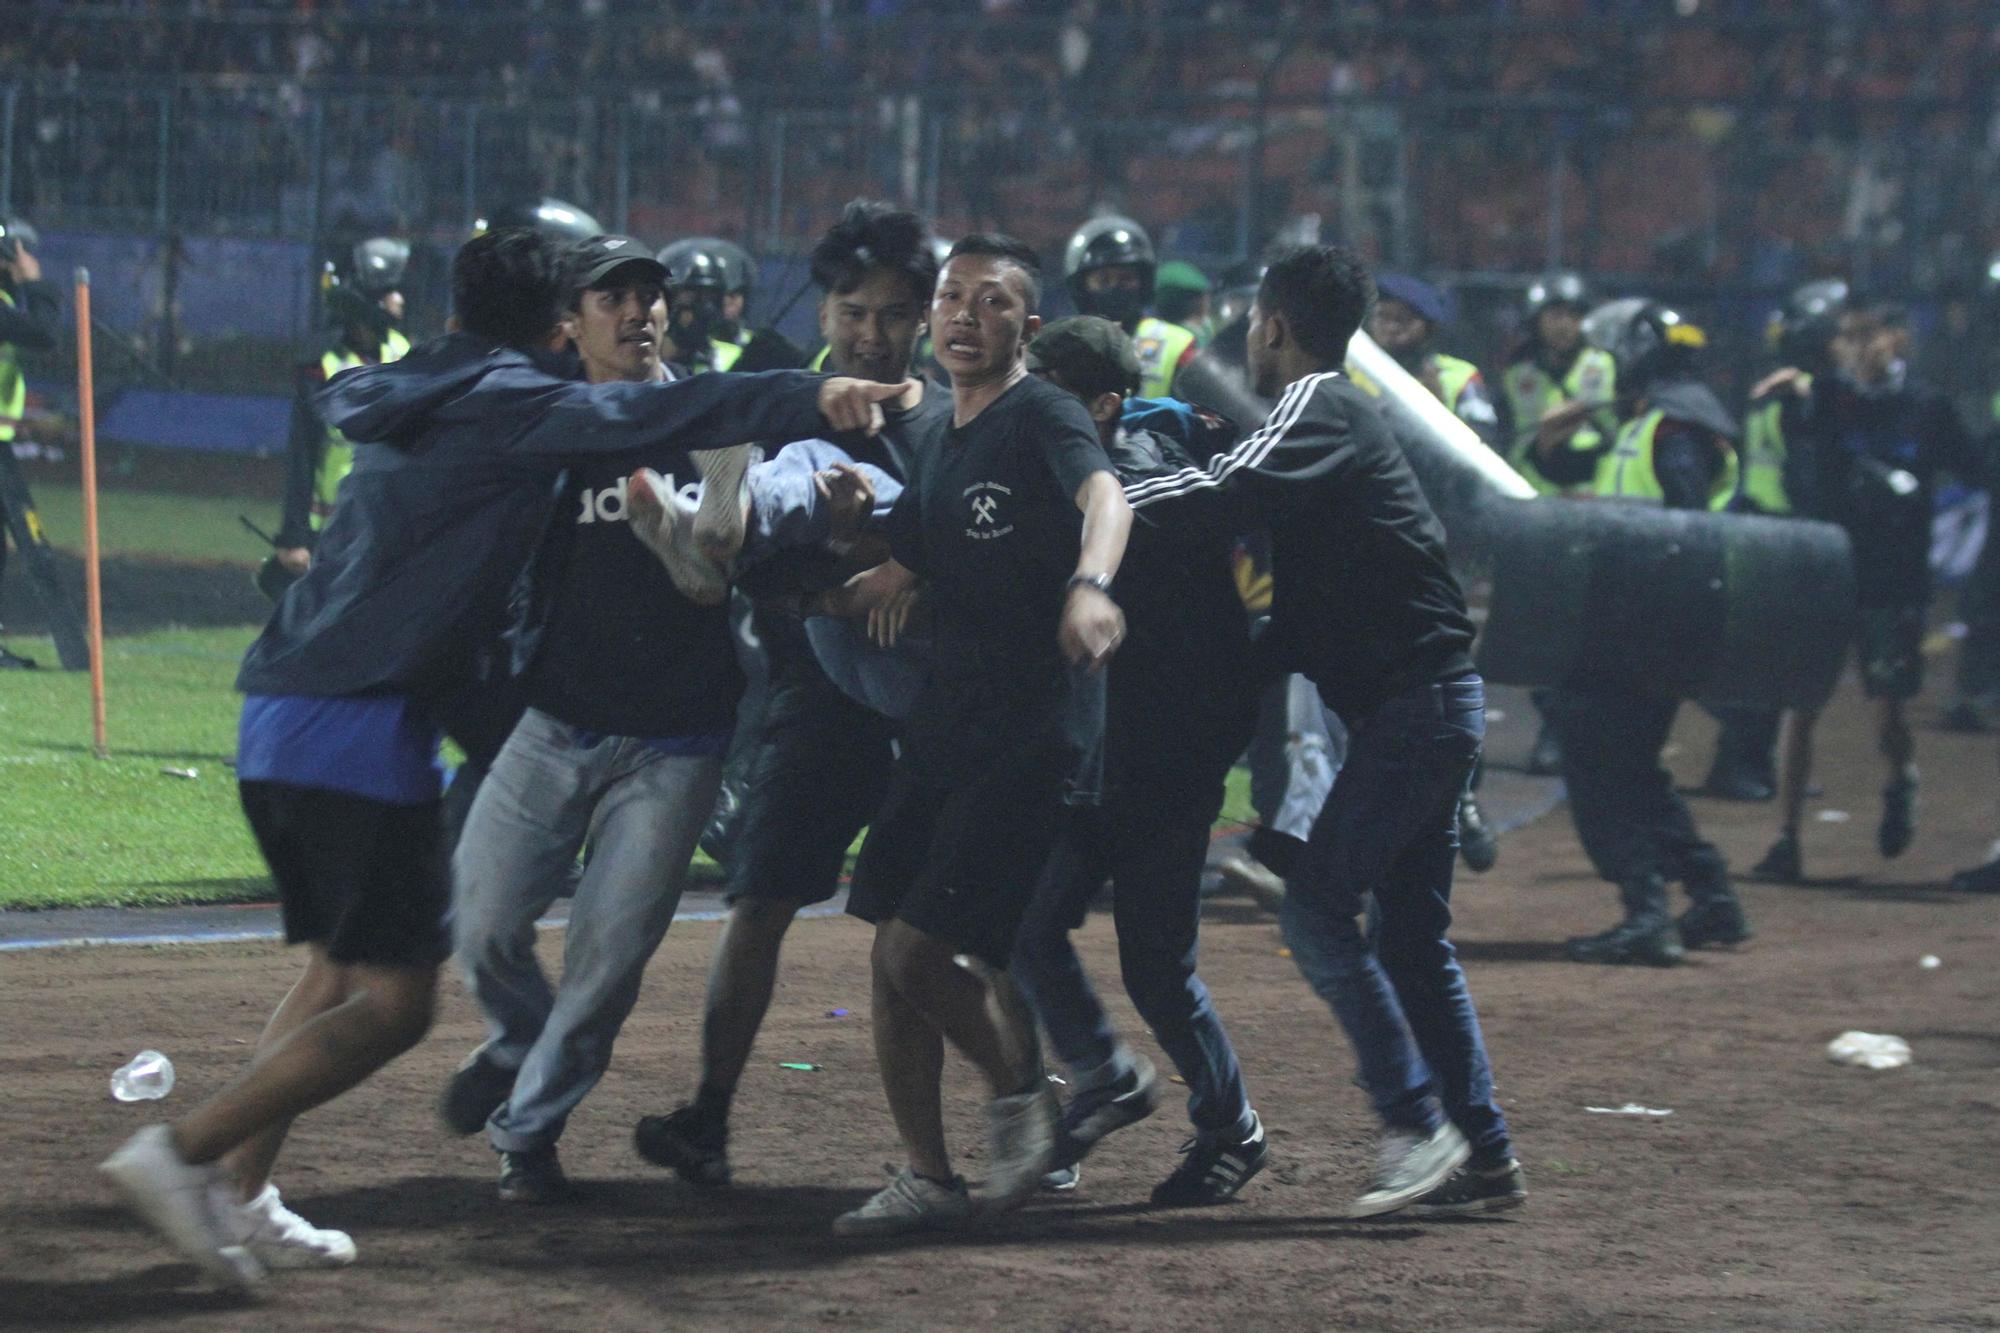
84,832
78,831
147,523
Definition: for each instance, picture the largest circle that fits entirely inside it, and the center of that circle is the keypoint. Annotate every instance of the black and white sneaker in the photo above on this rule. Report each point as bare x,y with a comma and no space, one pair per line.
1471,1190
681,1141
1212,1171
1090,1116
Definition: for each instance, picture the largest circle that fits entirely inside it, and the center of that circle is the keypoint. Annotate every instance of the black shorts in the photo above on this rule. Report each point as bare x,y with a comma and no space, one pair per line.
1889,640
366,879
817,772
958,848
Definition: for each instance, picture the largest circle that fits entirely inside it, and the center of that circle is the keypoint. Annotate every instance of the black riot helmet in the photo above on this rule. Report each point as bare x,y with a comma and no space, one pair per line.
1802,330
1649,341
565,224
1110,242
698,263
377,266
1559,288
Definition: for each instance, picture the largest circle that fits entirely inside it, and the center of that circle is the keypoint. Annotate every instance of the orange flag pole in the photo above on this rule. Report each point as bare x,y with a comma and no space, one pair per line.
92,582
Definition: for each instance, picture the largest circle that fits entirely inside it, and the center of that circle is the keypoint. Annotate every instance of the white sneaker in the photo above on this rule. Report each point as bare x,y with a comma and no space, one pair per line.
1021,1134
184,1205
724,513
1409,1166
280,1238
908,1203
666,523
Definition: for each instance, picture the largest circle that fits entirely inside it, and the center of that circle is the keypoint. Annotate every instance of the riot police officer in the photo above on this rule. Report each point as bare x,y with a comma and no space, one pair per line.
1109,267
363,305
1557,399
1558,393
1676,447
28,310
700,334
1408,313
1801,334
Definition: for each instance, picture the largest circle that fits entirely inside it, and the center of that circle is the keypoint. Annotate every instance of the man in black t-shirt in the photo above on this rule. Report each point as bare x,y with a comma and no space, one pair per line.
1015,524
1365,605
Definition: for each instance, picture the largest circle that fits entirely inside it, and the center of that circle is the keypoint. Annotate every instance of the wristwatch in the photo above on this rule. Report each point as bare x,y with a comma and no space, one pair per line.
1101,582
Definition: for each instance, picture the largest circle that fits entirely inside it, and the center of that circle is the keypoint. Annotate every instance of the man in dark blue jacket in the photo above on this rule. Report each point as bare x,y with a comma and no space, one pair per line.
463,441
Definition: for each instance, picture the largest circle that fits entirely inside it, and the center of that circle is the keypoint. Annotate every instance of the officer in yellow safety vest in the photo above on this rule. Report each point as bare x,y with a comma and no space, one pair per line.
1408,311
1557,394
28,312
1109,269
1179,326
1676,448
700,334
363,305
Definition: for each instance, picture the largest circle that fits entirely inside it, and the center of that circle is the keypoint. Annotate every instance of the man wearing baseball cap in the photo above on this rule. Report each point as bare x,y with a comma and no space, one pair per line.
1178,712
631,687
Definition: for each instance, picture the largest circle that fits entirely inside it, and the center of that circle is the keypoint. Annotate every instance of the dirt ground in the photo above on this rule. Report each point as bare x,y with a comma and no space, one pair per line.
1783,1191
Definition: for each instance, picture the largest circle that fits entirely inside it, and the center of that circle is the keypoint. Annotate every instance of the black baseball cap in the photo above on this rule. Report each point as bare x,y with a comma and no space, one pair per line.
1090,354
594,260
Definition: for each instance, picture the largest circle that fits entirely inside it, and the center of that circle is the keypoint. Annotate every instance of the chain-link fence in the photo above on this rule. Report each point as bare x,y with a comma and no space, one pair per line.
1715,164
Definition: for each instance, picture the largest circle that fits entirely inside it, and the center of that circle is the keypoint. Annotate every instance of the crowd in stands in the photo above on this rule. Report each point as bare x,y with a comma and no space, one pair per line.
1705,141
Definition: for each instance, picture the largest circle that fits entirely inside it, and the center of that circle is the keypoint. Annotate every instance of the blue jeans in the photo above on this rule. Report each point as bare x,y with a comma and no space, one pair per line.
552,786
1389,828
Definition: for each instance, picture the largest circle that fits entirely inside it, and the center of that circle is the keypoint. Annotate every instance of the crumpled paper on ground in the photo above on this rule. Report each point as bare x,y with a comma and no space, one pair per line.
1868,1050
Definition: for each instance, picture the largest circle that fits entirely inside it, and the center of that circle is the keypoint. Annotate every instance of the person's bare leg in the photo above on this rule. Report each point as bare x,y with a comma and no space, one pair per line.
741,978
386,1012
322,987
910,1054
960,1005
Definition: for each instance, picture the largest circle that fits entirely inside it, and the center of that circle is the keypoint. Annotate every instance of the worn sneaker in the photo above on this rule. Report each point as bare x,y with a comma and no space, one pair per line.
475,1091
1409,1166
1213,1170
665,522
723,515
1252,877
1471,1190
1062,1180
1093,1114
910,1202
684,1143
1021,1146
280,1238
187,1205
1899,818
533,1177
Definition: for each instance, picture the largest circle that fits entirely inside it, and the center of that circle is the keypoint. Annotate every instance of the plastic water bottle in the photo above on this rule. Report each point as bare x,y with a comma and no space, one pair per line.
148,1078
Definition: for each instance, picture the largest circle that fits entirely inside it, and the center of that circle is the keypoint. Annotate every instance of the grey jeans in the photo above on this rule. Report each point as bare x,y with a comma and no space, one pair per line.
551,787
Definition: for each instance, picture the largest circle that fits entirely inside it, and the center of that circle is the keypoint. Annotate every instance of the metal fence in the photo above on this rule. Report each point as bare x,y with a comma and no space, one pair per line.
1719,201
